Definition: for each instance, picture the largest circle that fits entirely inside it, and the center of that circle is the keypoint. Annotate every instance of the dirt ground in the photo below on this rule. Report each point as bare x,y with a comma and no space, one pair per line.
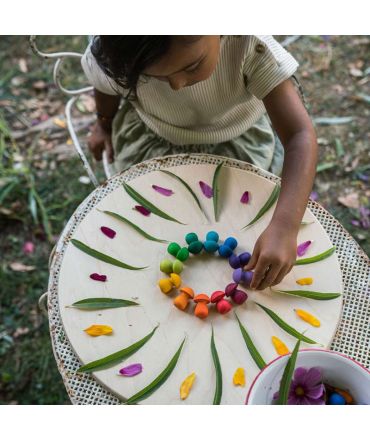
42,181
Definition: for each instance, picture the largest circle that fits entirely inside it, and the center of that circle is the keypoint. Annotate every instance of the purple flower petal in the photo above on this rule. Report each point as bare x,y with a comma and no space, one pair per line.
276,395
206,189
293,400
97,277
313,377
131,370
302,248
365,219
314,196
299,375
355,223
314,401
315,392
245,197
164,191
142,210
108,231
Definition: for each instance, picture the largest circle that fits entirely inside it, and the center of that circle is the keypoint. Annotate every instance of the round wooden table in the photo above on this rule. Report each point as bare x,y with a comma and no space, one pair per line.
352,336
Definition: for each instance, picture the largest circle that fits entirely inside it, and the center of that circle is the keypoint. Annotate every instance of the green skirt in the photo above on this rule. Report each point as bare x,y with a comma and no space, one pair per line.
134,142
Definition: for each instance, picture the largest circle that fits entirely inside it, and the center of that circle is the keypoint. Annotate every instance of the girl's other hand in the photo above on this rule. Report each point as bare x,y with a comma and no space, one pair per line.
100,139
273,257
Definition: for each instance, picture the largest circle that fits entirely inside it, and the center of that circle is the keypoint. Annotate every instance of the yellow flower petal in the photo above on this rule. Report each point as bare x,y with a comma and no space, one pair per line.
279,345
186,386
308,317
239,377
305,281
98,330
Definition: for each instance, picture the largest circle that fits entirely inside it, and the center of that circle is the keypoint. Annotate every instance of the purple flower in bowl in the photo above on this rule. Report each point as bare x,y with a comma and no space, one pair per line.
306,387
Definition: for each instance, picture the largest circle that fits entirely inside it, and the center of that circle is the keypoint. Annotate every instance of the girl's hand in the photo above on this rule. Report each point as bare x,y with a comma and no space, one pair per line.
273,256
99,140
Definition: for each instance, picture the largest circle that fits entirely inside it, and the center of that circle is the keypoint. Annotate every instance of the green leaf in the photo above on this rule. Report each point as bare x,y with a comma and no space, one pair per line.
117,357
139,230
251,347
270,201
102,303
285,326
216,190
304,223
102,257
339,147
315,258
321,296
216,361
32,204
187,187
288,375
148,205
325,166
158,381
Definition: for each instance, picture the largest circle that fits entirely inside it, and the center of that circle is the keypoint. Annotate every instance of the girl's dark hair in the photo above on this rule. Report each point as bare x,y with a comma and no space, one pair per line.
124,57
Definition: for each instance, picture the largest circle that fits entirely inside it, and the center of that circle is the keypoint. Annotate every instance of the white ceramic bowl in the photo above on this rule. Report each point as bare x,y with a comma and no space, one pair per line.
338,370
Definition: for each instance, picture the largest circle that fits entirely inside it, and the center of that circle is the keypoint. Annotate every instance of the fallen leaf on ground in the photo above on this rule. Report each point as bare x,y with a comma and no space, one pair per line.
16,266
350,200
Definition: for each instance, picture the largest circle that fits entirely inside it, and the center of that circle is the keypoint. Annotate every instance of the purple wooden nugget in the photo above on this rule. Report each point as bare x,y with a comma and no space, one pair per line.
234,261
244,258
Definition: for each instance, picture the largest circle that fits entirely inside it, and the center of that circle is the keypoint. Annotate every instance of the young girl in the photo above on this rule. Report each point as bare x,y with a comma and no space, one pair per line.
209,94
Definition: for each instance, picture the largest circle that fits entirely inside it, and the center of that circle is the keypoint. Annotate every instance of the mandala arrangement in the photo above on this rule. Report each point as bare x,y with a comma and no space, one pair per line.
184,298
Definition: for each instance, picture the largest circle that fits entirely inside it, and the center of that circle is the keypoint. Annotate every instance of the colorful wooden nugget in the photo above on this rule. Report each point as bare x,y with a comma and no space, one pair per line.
201,308
211,244
222,305
182,301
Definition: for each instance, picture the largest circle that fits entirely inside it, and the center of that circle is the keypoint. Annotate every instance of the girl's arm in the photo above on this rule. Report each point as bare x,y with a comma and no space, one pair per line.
100,134
275,249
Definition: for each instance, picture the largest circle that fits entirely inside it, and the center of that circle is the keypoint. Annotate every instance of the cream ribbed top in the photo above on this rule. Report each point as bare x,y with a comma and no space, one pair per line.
221,108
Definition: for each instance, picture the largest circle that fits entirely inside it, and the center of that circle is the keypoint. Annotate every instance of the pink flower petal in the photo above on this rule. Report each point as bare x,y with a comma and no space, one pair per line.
206,189
131,370
28,247
97,277
108,231
302,248
142,210
164,191
245,197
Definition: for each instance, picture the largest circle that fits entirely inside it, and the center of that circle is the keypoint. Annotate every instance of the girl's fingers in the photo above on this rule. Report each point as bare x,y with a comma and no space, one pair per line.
283,272
270,277
259,272
252,262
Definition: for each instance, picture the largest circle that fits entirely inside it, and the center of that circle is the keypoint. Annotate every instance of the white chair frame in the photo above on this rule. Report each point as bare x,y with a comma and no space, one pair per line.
74,96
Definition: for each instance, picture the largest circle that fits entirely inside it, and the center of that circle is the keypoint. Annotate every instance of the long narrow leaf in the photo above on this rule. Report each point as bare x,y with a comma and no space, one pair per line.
285,326
102,257
102,303
315,258
320,296
251,347
216,361
116,357
288,375
139,230
270,201
188,188
216,190
158,381
148,205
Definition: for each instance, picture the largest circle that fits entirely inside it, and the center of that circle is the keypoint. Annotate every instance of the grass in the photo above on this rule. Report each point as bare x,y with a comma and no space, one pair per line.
40,188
